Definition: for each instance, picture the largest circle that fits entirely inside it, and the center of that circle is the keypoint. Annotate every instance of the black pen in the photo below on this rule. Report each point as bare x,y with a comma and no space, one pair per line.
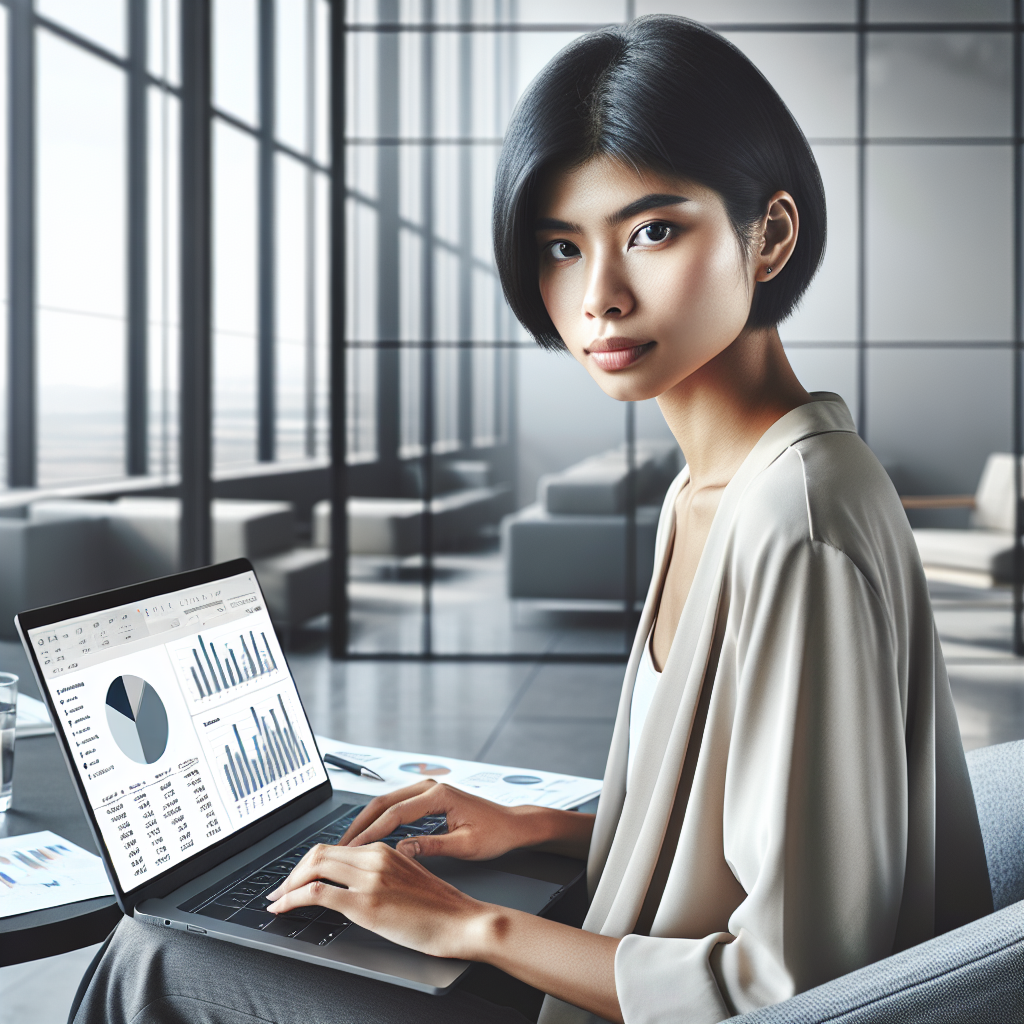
349,766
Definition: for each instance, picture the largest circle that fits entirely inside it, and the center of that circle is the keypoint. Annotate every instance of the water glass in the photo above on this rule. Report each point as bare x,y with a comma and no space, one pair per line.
8,714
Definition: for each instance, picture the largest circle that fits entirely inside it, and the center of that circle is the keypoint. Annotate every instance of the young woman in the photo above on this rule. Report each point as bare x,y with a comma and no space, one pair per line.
786,798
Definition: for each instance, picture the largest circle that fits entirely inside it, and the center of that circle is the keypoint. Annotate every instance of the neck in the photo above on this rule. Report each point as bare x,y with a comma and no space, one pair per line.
719,412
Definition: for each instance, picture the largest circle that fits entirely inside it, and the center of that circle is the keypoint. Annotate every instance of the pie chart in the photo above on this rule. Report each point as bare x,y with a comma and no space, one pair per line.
424,768
137,719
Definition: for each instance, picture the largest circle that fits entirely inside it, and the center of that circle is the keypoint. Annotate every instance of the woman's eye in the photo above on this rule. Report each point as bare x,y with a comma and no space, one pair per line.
652,234
563,251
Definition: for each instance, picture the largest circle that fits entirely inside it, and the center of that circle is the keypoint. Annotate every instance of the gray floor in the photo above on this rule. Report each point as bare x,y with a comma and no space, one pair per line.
557,717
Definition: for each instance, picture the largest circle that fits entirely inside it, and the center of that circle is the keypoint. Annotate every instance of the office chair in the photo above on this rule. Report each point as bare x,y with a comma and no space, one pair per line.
972,974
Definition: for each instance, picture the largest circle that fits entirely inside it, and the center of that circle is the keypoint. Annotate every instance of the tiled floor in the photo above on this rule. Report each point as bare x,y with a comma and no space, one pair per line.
557,717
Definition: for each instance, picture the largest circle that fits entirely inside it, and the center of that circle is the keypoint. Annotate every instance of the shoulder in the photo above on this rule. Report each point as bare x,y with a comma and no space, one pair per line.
829,490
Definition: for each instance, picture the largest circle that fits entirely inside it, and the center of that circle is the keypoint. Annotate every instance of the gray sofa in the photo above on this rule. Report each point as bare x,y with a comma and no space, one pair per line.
464,500
62,549
570,545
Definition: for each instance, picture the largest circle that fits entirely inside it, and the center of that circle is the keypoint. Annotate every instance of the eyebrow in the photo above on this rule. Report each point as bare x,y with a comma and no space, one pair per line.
653,201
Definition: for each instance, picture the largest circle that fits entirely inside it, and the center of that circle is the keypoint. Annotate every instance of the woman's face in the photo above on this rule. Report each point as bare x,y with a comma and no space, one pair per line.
642,275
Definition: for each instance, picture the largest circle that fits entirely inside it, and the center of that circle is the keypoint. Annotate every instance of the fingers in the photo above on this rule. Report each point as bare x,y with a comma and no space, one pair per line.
429,802
378,805
322,863
315,893
460,844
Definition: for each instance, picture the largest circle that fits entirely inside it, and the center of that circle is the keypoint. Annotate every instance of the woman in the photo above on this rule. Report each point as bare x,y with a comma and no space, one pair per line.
786,798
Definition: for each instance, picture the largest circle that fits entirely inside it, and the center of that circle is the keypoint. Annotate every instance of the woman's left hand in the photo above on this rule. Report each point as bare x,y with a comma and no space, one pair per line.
386,892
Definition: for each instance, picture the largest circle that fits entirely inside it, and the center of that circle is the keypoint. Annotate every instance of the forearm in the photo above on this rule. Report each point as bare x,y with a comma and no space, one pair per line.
564,832
570,964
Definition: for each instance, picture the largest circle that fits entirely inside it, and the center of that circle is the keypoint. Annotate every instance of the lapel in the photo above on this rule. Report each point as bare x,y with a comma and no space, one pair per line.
630,827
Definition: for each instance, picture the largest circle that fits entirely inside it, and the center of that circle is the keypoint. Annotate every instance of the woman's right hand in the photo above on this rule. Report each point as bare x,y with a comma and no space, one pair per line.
478,829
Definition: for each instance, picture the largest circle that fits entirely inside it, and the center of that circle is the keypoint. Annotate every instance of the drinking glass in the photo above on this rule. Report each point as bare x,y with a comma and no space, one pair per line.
8,714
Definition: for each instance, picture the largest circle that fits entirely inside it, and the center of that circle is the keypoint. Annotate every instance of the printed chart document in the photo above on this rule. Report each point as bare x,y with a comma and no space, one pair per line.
40,870
500,783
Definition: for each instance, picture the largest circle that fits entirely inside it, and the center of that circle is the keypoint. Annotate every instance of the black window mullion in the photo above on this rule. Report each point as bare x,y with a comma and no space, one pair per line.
137,403
427,331
266,361
388,226
465,286
310,218
338,348
196,285
21,247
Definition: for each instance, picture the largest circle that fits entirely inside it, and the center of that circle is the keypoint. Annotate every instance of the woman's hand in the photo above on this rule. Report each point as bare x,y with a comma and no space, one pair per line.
477,829
391,894
387,892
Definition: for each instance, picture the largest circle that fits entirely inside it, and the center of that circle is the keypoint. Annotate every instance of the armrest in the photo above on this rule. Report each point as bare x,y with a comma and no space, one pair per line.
972,973
938,500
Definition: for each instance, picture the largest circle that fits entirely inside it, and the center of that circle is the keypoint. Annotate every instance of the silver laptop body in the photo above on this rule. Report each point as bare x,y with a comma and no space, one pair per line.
195,763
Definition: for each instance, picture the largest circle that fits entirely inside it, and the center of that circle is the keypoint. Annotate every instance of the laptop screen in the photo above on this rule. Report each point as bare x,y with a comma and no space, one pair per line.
183,718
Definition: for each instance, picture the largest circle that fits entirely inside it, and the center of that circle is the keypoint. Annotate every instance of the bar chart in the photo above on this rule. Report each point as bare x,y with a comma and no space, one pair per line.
211,664
259,755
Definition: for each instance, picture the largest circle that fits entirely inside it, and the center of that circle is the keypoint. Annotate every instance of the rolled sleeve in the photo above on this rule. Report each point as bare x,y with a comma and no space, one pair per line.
669,980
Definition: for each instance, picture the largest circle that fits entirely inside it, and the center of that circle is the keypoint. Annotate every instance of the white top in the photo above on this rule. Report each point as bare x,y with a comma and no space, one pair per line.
647,677
830,819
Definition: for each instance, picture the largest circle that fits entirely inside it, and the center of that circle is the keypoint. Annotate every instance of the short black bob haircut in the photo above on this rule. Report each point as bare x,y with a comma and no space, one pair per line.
669,95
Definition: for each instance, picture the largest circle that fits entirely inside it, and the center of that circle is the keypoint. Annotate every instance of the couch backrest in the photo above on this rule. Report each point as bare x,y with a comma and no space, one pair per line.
997,778
597,485
994,497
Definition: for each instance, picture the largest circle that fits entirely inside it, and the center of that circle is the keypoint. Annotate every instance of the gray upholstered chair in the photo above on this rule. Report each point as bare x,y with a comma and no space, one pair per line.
972,974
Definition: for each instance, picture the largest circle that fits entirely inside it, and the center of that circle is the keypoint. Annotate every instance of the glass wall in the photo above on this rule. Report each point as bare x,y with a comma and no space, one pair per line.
908,108
91,377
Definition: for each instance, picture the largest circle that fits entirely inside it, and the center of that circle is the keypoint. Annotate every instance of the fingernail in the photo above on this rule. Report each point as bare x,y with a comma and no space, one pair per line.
414,848
270,909
273,895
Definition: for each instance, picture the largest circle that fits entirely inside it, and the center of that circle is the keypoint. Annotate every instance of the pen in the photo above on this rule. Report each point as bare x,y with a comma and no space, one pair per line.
349,766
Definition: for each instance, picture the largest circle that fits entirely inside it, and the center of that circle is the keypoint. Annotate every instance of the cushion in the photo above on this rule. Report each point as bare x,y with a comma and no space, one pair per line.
997,778
987,551
993,508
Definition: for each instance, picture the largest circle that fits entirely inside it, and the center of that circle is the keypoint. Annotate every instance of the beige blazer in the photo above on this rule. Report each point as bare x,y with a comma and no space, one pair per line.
823,818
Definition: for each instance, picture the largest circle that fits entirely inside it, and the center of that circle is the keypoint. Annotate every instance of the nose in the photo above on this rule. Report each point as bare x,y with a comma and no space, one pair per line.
608,295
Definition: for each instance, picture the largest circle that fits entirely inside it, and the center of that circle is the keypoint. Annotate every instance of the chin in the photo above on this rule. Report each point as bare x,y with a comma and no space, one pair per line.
631,387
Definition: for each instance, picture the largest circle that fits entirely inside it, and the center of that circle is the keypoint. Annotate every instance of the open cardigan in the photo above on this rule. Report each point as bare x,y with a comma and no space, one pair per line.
799,805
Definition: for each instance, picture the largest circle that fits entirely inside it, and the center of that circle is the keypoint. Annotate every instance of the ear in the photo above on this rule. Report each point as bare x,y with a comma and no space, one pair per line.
777,237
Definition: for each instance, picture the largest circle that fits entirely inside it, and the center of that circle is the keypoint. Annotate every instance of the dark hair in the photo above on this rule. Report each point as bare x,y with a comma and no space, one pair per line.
669,95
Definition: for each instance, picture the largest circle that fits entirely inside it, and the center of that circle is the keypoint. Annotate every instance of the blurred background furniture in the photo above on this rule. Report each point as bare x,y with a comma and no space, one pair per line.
464,502
63,549
982,554
570,544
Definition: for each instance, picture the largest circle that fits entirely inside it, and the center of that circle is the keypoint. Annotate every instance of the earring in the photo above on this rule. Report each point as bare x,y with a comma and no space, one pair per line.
769,270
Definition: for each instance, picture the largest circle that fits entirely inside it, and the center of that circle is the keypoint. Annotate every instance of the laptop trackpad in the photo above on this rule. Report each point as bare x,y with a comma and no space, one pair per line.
490,886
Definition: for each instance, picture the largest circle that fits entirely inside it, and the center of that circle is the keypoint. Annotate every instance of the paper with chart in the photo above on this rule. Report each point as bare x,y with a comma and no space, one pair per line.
41,870
511,787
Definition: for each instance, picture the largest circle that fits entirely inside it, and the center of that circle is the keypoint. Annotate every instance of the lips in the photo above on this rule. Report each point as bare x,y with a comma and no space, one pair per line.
612,354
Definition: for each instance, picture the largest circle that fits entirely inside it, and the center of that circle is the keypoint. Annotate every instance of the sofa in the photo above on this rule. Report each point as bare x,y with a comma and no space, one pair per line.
463,502
570,545
62,549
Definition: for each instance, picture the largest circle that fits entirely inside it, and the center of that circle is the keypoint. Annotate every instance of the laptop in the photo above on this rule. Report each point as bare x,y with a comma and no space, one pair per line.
185,736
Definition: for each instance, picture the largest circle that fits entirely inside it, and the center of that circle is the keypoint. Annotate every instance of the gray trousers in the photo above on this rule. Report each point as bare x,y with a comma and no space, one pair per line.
148,974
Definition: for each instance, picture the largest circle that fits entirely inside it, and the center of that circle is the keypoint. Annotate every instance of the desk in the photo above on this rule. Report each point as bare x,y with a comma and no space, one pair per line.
44,798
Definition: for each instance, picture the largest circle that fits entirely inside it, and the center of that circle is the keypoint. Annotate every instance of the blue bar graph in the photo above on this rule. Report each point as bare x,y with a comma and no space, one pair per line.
265,755
215,671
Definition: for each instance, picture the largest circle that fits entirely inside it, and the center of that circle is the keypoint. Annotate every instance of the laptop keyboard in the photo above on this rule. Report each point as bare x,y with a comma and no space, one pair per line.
243,900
